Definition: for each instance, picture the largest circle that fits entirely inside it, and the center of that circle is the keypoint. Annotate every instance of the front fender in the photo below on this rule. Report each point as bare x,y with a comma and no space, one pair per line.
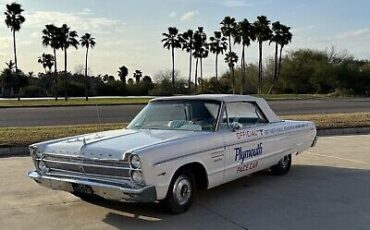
165,171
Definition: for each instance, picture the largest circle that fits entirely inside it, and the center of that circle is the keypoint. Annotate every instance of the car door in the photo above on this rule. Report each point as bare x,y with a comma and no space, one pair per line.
242,127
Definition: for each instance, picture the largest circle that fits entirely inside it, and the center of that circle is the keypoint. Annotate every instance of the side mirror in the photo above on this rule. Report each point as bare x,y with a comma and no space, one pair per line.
235,126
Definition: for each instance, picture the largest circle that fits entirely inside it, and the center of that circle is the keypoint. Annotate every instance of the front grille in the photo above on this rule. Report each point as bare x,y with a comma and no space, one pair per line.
88,167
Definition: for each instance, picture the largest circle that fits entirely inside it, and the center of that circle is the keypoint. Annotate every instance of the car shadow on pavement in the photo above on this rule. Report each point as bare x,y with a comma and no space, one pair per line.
308,197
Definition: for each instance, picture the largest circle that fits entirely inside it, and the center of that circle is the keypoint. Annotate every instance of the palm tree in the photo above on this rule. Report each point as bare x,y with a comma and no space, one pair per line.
88,42
122,73
172,40
275,38
188,45
51,37
201,48
244,37
67,38
263,33
217,46
137,75
47,61
229,29
231,59
286,39
282,36
14,20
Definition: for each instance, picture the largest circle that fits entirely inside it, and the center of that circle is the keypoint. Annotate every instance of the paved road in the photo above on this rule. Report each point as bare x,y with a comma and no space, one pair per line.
327,188
124,113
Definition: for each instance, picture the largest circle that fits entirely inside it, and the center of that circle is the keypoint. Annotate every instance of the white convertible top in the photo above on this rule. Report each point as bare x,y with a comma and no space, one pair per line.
262,104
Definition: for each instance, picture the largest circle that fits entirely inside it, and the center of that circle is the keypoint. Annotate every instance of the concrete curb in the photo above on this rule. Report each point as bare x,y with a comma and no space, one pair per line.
343,131
11,151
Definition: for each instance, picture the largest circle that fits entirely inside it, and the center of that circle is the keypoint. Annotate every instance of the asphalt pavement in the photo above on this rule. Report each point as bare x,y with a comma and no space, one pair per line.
328,187
15,117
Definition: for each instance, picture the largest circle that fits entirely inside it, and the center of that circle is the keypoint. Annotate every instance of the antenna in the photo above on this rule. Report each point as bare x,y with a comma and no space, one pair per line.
97,112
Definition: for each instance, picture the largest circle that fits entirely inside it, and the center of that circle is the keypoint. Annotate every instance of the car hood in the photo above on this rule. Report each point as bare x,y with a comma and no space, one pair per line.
110,144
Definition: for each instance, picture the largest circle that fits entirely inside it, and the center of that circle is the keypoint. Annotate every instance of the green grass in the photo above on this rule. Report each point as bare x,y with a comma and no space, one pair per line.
335,120
296,96
72,102
22,136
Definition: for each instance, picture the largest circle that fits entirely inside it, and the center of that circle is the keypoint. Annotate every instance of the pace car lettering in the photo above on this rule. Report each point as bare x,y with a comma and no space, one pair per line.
241,154
249,133
283,129
247,167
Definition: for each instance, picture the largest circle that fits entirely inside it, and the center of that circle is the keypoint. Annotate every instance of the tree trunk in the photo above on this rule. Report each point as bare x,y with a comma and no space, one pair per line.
232,67
55,74
201,75
216,66
190,63
65,75
279,66
275,69
196,76
259,91
15,52
243,71
173,70
86,78
230,44
233,73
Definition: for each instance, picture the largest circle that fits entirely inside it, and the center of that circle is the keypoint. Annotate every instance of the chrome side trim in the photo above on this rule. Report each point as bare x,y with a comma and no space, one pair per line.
217,150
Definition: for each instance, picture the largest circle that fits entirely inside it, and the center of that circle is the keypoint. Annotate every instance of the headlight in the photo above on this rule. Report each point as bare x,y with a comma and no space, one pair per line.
42,166
135,161
137,177
34,151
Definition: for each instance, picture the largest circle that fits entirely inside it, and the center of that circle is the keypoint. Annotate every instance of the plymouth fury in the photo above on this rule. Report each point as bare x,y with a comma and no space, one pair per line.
172,148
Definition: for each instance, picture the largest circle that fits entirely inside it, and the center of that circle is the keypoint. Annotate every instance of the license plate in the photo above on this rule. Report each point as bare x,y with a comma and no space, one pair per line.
81,188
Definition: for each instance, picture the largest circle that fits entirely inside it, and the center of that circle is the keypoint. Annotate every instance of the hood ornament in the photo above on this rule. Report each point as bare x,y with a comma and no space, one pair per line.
84,141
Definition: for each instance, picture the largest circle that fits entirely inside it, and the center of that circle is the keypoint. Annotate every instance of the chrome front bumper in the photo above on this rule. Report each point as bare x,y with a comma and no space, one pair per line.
111,191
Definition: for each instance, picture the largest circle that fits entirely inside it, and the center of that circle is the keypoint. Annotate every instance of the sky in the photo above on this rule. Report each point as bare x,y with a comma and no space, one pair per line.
129,32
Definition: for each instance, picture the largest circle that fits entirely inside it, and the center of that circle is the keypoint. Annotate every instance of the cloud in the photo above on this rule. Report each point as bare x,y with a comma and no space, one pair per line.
360,34
235,3
35,34
172,14
5,42
85,22
85,11
188,15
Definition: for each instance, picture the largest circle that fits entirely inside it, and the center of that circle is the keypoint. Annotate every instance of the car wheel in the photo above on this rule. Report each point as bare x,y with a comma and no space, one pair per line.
181,193
283,166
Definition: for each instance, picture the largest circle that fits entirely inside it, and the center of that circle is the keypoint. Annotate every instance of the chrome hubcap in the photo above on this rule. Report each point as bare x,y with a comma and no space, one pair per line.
182,190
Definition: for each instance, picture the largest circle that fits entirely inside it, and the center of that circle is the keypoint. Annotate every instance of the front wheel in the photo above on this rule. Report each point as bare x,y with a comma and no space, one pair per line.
181,193
283,166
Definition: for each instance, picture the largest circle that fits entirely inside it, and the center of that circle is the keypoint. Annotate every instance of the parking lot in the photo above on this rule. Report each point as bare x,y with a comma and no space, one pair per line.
328,188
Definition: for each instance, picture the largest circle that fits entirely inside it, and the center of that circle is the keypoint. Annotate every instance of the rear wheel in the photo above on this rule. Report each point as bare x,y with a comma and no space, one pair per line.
283,166
181,193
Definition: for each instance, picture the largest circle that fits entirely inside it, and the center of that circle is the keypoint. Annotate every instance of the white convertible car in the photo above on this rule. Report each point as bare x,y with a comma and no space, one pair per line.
173,147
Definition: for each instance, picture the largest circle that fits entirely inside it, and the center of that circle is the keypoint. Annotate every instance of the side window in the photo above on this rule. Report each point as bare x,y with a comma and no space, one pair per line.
244,113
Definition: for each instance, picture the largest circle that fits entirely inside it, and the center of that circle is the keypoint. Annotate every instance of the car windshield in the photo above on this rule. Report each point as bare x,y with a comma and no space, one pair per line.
178,115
